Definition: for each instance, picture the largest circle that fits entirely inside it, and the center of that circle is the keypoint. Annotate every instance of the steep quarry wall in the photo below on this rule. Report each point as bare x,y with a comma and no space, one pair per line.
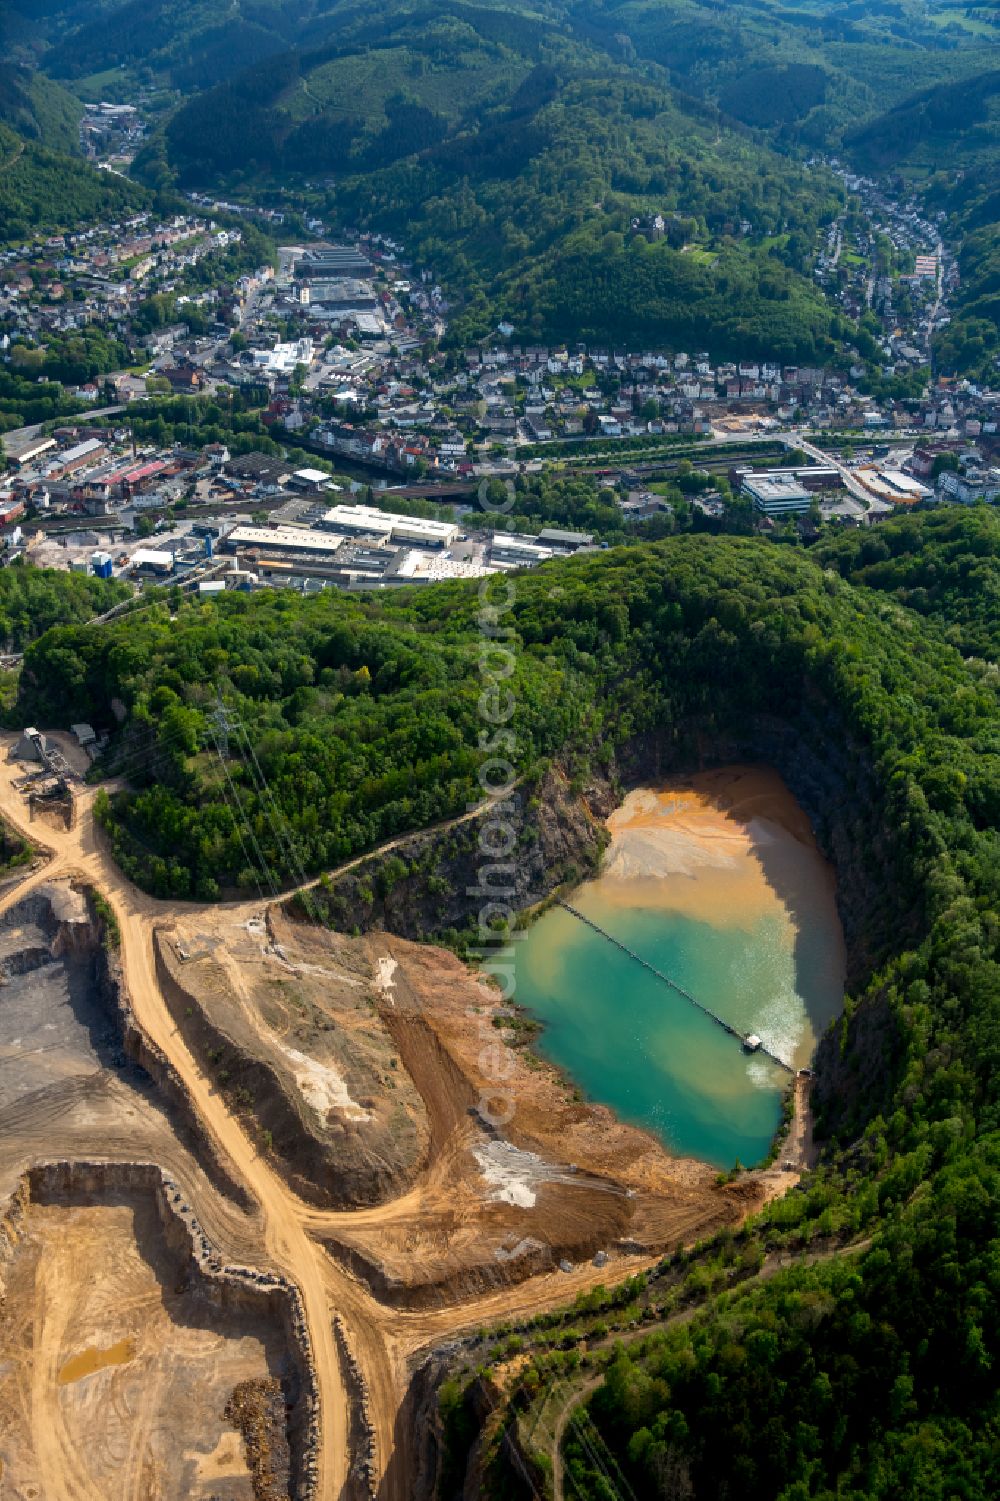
429,884
477,1279
363,1480
12,1217
142,1051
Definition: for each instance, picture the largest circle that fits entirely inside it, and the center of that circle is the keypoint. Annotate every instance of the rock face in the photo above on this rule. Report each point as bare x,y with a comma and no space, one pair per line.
142,1051
433,883
299,1054
11,1227
362,1484
830,776
438,882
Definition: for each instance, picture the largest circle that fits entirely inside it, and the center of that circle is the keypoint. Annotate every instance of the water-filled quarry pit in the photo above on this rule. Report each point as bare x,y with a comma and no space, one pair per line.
717,882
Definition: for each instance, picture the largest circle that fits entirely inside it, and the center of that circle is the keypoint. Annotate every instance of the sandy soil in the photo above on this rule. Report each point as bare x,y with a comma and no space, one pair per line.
560,1174
728,839
112,1381
300,1000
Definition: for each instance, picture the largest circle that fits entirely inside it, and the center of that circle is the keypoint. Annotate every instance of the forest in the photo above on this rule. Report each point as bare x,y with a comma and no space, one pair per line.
523,152
363,711
943,563
844,1342
42,190
523,164
34,600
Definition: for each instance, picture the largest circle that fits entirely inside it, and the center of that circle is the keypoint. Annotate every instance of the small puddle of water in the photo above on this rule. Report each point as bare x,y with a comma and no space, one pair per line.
90,1360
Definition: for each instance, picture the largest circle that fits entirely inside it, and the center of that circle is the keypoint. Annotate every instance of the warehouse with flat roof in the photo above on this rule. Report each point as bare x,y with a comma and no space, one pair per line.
389,526
283,541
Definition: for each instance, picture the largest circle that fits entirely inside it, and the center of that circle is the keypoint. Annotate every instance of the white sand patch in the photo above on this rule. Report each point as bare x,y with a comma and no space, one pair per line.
385,967
515,1175
511,1174
322,1086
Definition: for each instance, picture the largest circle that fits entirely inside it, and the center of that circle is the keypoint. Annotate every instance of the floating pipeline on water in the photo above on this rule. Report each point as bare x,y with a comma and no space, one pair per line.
749,1041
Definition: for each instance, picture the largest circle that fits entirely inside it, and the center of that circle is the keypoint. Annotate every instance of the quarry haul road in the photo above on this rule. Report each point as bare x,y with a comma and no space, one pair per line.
383,1339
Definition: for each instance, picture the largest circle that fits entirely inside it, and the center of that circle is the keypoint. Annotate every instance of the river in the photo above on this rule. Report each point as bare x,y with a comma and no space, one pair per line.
718,882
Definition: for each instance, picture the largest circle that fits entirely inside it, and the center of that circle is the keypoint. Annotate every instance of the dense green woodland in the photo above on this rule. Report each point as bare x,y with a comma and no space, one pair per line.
944,563
33,600
512,147
514,160
42,190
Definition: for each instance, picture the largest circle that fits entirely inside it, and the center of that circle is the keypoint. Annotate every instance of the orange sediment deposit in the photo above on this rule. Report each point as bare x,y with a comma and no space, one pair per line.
718,846
399,1035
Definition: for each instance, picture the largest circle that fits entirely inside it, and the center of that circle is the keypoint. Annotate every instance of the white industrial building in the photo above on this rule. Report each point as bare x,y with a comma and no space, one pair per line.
389,526
283,539
774,496
415,567
283,358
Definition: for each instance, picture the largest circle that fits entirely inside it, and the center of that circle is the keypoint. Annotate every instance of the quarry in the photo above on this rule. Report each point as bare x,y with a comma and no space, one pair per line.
248,1185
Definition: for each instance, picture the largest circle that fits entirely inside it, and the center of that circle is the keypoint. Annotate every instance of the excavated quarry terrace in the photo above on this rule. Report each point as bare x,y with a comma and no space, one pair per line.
247,1183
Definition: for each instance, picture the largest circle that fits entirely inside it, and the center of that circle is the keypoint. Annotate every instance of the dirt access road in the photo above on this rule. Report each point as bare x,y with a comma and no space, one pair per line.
383,1339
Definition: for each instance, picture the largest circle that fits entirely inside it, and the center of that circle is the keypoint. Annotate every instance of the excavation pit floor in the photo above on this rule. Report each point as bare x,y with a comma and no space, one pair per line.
115,1371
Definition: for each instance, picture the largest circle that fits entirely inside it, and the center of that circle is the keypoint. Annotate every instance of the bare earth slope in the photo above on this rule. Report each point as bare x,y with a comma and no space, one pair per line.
369,1058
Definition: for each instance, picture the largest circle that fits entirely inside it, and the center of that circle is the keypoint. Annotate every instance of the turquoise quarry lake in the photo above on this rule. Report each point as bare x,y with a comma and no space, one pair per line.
718,882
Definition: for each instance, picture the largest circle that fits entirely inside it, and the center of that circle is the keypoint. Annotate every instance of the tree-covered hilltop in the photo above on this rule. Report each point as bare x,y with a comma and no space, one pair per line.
43,191
943,563
363,711
867,1367
527,167
524,153
38,108
807,71
34,600
45,187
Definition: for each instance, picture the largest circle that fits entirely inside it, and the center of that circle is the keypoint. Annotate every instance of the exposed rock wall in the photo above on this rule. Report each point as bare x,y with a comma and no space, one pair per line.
340,1173
12,1217
430,884
142,1051
831,776
363,1479
463,1284
438,881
